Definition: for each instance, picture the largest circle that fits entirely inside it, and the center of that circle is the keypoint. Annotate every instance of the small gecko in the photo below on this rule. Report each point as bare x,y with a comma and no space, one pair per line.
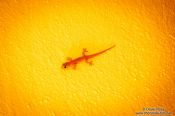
84,57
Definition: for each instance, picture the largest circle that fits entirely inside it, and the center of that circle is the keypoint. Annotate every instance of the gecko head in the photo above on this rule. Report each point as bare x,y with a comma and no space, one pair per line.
65,65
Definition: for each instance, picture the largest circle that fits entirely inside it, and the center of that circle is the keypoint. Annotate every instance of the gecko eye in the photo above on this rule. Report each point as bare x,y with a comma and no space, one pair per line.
64,65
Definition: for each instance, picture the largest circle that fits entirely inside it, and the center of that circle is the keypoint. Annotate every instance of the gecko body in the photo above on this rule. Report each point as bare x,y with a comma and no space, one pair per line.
84,57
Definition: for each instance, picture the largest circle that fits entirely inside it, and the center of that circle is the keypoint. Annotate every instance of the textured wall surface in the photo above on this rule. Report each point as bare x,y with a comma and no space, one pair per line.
36,36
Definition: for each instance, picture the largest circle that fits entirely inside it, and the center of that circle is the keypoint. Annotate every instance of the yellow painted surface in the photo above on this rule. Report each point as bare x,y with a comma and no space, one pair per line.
36,36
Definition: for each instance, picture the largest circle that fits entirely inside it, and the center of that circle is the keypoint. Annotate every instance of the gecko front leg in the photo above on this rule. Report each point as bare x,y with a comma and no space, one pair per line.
69,59
74,66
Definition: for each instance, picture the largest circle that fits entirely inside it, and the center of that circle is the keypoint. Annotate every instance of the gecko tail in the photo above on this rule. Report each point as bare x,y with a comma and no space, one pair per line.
107,49
110,47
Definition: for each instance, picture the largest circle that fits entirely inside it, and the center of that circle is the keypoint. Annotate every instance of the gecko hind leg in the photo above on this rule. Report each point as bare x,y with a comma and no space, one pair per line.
89,62
84,51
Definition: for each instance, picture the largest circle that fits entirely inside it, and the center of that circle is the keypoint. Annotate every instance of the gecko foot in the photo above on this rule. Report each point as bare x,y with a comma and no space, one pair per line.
84,51
89,62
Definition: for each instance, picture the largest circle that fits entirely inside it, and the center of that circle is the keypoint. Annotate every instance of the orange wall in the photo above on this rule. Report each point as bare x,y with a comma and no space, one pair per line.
36,36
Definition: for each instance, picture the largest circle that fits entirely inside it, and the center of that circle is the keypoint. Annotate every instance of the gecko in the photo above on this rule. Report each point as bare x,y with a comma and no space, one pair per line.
84,57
